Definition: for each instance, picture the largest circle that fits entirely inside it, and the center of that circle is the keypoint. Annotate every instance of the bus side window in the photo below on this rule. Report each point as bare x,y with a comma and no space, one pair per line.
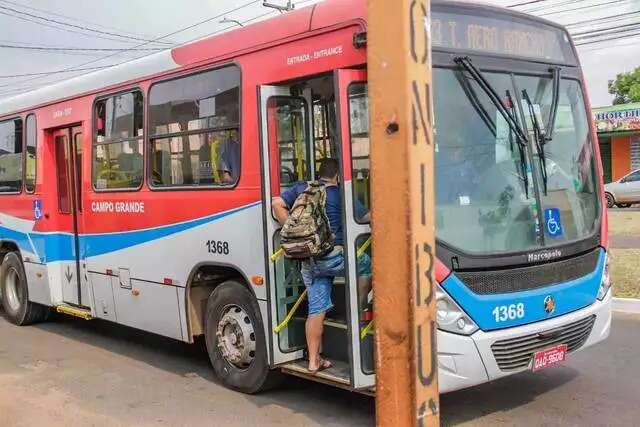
118,140
291,130
360,149
11,156
194,129
30,154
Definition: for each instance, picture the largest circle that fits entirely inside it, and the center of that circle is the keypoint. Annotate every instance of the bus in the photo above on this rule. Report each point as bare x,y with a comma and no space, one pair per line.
141,195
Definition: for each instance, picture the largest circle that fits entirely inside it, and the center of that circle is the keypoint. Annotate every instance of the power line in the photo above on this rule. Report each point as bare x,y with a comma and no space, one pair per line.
80,27
11,76
604,19
48,12
33,87
51,48
44,24
526,3
74,68
553,6
605,31
626,36
583,7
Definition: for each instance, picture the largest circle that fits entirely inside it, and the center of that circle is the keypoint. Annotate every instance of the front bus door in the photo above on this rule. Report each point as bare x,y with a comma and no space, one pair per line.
352,96
68,154
286,159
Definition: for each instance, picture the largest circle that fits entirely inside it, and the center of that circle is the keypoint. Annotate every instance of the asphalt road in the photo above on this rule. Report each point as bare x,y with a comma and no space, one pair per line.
73,372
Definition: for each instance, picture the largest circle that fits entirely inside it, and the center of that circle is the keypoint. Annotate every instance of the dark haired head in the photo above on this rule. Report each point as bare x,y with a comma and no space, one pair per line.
328,168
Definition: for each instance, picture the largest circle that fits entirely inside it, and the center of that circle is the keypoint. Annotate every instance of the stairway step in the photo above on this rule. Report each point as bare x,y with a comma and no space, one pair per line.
74,311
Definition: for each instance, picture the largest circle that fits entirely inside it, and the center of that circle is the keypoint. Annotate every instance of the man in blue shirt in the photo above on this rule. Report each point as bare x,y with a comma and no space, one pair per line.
318,273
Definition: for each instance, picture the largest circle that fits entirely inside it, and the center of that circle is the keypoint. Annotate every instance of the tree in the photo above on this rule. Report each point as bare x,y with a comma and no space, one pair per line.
626,87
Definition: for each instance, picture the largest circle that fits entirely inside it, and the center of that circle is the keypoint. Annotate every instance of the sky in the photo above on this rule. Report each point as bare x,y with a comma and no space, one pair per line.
143,20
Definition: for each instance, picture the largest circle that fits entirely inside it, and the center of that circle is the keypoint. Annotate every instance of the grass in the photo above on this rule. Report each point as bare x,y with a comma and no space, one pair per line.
624,223
625,272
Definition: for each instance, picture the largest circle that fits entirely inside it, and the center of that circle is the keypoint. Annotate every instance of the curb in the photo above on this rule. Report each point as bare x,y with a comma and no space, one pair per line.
626,305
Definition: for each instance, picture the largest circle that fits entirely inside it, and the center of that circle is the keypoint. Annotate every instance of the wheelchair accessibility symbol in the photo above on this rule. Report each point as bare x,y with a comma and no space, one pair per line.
552,221
37,209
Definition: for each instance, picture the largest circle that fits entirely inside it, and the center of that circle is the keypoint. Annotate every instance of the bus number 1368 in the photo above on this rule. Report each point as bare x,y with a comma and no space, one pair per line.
502,313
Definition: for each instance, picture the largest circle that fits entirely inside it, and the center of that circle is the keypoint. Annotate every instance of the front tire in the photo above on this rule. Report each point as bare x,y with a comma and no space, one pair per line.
624,205
235,339
15,293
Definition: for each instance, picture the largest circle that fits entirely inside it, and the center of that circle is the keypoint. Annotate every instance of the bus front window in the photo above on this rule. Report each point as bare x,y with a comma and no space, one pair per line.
485,201
567,155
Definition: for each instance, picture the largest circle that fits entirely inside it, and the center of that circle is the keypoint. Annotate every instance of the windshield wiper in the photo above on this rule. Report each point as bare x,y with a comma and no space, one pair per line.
509,117
538,136
555,99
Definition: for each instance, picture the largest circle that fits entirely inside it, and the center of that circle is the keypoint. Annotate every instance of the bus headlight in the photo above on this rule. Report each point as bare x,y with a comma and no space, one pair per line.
450,316
605,284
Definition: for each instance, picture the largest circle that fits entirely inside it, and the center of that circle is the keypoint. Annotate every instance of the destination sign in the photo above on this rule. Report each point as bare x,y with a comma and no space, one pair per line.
513,37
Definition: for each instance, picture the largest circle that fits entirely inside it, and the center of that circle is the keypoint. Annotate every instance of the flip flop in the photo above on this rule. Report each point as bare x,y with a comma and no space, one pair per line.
324,364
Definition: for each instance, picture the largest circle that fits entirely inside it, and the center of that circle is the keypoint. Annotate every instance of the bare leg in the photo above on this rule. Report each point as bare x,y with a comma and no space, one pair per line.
364,287
313,328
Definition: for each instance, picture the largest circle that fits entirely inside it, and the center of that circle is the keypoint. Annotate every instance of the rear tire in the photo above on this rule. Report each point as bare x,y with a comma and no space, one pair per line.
611,202
624,205
15,294
235,339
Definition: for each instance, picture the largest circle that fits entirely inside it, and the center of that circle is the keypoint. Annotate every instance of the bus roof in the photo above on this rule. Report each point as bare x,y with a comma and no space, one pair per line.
213,48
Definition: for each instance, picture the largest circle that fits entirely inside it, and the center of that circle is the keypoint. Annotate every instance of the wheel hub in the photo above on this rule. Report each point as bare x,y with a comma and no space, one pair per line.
236,337
13,289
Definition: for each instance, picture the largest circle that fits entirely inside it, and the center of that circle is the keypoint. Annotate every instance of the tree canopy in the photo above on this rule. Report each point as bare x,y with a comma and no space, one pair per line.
626,87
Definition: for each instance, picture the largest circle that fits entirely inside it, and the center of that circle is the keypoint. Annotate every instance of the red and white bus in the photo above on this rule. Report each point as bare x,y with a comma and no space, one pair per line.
141,194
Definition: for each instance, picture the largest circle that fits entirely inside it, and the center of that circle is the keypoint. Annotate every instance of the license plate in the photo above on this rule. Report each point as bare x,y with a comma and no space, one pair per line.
549,357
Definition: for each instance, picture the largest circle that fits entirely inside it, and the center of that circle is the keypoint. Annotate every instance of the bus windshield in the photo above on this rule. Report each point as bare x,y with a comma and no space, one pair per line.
485,191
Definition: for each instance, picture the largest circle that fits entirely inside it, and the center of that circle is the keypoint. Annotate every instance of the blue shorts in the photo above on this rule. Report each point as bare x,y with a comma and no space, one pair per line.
318,275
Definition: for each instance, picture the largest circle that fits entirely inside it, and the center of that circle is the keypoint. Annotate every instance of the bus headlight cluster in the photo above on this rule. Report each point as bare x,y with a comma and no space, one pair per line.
450,316
605,284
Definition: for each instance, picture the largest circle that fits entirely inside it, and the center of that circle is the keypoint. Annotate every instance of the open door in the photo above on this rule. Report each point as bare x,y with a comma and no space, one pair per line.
68,155
286,133
353,114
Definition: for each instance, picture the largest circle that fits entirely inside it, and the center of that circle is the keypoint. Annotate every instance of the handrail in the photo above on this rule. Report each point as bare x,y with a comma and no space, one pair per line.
366,330
293,310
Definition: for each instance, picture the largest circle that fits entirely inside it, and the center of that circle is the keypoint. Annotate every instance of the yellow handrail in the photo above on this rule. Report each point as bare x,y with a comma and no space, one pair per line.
277,254
293,310
366,330
362,249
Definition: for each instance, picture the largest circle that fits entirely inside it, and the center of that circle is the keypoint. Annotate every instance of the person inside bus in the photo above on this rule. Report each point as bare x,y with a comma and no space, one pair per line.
224,151
318,273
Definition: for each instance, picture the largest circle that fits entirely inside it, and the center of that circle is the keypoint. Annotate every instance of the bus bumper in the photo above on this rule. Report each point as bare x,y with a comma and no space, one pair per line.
467,361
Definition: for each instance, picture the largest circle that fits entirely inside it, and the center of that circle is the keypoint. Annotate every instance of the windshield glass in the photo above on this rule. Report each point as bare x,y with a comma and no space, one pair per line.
571,204
482,202
485,197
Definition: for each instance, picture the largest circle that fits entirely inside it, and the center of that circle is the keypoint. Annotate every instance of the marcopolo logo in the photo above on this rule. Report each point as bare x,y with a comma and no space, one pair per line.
544,255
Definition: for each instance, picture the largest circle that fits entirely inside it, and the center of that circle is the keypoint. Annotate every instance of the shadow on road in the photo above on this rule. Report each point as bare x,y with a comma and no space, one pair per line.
189,360
502,395
297,394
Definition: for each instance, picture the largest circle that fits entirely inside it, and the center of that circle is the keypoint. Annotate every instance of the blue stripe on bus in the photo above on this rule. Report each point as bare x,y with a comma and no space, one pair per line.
569,296
51,247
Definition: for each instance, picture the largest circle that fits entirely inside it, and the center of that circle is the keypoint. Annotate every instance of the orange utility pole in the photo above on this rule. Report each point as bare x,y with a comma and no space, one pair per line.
402,147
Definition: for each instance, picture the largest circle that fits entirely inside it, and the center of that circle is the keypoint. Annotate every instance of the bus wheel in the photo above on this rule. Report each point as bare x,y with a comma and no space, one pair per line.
235,339
15,294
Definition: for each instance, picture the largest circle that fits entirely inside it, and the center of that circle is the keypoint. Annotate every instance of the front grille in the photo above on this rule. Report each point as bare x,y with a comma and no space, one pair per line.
516,353
532,277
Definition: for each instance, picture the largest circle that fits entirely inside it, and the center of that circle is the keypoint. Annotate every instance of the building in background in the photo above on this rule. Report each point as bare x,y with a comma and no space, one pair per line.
619,136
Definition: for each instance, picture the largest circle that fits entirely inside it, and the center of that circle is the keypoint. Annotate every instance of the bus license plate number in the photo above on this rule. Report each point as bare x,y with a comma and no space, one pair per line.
549,357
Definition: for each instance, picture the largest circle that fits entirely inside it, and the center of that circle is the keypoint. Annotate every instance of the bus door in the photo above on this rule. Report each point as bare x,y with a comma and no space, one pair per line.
286,138
68,157
352,100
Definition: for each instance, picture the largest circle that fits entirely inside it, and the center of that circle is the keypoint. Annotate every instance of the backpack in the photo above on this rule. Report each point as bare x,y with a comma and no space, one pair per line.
307,233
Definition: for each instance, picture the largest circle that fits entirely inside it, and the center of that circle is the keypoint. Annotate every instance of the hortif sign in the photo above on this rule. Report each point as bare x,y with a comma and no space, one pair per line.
621,118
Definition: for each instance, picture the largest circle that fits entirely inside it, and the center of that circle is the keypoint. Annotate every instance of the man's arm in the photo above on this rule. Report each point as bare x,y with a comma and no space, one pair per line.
280,210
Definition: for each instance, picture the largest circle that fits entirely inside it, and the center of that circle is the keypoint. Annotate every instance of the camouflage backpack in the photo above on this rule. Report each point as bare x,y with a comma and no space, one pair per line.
307,232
